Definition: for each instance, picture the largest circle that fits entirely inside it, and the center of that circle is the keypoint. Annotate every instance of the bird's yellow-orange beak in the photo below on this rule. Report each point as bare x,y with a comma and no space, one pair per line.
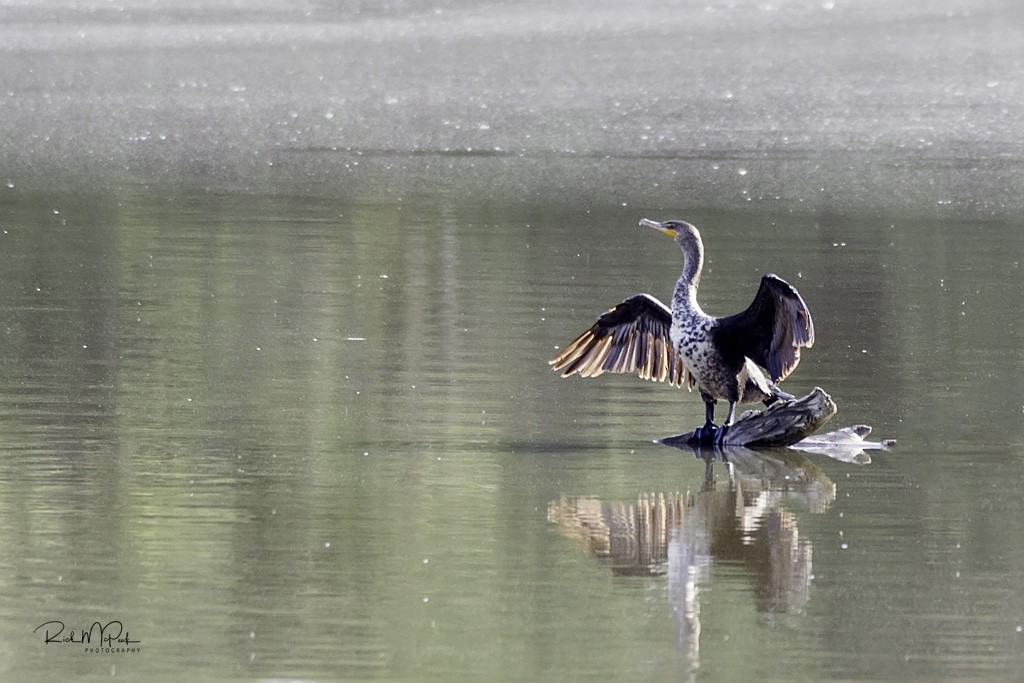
660,227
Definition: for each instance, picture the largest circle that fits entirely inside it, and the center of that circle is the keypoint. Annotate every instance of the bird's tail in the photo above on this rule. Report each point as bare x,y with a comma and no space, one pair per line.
778,395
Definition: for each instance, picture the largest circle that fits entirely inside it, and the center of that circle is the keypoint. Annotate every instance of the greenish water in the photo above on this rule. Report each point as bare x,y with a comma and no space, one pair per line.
290,438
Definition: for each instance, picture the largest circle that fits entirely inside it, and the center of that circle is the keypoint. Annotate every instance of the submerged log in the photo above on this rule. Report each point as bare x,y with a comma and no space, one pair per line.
780,424
789,424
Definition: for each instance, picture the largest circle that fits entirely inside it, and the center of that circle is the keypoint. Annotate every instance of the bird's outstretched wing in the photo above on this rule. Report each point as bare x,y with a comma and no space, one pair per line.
631,337
772,329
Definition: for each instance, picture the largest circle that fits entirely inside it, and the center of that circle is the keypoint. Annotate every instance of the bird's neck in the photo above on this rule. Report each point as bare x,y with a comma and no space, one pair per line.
684,298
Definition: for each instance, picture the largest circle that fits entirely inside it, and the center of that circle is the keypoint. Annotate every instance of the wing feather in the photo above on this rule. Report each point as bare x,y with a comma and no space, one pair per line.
772,330
632,337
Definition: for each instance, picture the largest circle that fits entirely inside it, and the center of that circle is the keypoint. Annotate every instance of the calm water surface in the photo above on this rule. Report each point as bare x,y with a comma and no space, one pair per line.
291,438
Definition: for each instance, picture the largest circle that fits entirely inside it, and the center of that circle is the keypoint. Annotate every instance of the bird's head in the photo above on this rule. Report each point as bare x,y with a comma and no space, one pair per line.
680,231
688,239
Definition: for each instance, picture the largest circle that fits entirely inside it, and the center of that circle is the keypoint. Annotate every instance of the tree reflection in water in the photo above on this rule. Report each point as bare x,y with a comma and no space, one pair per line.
683,535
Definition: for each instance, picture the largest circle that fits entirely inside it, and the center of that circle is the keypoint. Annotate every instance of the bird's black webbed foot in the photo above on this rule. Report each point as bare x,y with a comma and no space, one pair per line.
719,438
707,434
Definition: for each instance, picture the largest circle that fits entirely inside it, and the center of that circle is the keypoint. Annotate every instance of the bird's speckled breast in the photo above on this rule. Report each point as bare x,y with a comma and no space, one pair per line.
691,338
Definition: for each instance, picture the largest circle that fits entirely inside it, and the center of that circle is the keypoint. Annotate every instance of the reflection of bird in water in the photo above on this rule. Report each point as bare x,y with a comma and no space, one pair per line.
685,535
684,345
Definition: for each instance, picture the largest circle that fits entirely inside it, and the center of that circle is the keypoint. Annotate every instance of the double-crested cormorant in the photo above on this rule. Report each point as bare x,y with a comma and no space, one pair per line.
684,345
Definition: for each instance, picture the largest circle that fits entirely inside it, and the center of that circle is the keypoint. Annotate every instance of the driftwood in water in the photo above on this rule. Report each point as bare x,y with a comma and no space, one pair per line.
780,424
791,424
783,423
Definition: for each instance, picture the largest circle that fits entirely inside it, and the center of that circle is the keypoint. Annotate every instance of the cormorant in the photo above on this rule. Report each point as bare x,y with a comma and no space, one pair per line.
684,345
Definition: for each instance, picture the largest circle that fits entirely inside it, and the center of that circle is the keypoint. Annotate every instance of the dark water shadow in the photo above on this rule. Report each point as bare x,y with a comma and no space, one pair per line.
737,520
